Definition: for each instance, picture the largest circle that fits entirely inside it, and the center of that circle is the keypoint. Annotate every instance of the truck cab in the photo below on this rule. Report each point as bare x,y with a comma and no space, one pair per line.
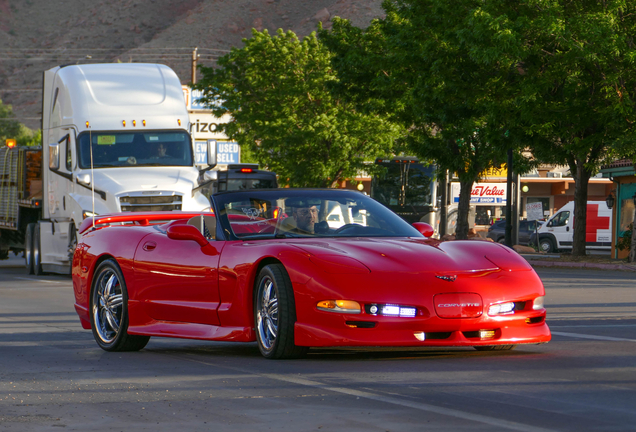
115,139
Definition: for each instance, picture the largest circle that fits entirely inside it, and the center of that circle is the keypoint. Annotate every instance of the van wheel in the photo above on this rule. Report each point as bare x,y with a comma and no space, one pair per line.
546,245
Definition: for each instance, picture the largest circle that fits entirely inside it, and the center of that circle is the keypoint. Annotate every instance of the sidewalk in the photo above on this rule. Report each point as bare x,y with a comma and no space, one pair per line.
536,260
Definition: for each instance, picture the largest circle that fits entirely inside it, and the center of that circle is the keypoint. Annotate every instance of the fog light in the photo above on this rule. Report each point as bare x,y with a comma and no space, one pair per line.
538,303
341,306
486,334
420,336
501,308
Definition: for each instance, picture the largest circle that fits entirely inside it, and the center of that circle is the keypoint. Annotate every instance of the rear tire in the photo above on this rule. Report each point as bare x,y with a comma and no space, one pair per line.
275,314
495,347
546,245
37,252
28,248
109,310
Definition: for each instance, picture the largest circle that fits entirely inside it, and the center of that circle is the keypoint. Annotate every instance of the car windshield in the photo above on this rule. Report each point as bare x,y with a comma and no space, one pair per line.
134,149
290,213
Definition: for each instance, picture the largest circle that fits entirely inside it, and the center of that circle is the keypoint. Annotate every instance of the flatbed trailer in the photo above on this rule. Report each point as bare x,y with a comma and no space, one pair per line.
20,196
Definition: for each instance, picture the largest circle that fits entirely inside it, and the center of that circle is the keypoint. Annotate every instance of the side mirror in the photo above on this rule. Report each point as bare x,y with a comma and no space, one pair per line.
54,156
425,229
186,232
210,175
212,153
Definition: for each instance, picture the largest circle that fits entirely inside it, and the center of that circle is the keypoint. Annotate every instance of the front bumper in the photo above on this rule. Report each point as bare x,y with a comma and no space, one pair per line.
527,327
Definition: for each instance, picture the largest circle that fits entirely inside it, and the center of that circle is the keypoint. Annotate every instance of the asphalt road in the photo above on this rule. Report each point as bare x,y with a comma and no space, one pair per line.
54,377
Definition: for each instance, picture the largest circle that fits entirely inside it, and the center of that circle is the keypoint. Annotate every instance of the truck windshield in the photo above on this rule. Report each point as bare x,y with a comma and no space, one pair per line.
134,149
404,185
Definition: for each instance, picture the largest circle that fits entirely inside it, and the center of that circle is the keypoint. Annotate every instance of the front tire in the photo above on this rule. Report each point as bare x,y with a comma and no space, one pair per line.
546,245
37,251
275,314
28,248
109,310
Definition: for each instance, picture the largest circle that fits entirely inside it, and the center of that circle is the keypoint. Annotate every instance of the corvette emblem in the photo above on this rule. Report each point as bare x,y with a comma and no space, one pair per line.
447,278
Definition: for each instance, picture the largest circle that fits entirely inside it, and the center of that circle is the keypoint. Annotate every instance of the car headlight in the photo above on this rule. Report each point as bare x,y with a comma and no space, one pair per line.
538,303
86,214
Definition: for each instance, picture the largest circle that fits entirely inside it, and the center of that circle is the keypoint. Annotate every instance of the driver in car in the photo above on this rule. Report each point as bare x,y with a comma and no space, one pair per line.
305,218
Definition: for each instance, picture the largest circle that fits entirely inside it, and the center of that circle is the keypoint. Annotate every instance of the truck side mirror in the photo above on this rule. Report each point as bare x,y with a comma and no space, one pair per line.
54,156
212,153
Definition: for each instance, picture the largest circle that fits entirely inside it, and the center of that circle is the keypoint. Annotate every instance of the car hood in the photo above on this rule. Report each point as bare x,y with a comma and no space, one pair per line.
408,255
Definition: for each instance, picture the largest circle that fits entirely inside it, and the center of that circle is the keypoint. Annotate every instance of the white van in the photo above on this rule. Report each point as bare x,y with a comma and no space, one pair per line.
558,232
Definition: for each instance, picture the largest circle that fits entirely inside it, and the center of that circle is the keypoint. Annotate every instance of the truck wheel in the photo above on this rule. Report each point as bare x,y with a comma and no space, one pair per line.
37,252
28,248
546,245
72,241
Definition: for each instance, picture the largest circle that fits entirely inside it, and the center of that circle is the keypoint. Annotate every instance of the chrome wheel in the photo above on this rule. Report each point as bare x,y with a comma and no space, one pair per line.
107,306
267,313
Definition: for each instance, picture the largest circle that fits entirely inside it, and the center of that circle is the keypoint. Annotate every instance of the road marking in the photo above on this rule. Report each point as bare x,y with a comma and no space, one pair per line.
603,338
589,316
497,423
40,280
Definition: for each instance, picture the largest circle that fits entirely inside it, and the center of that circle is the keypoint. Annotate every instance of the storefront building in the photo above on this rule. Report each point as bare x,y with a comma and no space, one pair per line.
623,175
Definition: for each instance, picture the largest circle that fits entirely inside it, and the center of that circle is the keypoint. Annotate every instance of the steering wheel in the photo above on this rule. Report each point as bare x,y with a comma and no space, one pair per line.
346,227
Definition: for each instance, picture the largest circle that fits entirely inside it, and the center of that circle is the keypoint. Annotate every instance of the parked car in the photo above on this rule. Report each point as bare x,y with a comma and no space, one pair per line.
264,267
497,231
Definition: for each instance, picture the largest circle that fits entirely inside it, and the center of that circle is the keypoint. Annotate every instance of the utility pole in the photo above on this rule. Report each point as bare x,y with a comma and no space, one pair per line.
508,233
195,56
443,210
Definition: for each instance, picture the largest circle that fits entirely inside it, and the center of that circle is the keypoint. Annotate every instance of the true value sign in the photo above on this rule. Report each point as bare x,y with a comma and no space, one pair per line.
483,193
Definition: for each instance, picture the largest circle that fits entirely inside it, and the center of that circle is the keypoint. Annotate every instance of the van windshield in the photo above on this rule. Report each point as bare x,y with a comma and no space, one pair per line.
134,149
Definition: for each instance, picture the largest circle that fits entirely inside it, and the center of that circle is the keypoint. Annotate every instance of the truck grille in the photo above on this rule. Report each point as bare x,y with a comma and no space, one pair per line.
143,202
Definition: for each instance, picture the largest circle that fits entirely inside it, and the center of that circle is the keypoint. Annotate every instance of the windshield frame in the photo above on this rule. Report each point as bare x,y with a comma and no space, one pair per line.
187,161
221,199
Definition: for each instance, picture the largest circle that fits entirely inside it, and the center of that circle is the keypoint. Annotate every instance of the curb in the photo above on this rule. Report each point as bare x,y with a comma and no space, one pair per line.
623,267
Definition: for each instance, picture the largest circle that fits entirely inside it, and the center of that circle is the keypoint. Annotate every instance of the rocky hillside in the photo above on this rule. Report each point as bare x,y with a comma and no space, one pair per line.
36,35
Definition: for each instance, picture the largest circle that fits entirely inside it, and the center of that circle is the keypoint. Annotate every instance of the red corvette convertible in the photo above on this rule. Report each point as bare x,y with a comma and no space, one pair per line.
299,268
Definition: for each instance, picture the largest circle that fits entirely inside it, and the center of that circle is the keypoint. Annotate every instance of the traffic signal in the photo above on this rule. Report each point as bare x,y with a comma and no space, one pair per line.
10,142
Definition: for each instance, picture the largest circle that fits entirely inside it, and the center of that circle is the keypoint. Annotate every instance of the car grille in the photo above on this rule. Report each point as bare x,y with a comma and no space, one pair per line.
144,202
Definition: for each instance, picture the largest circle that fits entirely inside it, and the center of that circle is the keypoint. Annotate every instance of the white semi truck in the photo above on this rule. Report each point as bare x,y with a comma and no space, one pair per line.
114,139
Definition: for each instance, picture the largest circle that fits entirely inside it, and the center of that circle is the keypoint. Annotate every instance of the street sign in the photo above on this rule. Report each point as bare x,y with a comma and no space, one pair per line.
483,193
227,152
534,211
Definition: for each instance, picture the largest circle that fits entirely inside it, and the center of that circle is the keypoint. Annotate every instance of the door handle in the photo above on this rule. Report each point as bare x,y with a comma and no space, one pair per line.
567,229
150,246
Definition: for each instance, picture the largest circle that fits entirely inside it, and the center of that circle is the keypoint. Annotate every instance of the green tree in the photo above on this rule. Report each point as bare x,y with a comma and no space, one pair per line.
577,86
9,128
416,66
556,74
277,89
